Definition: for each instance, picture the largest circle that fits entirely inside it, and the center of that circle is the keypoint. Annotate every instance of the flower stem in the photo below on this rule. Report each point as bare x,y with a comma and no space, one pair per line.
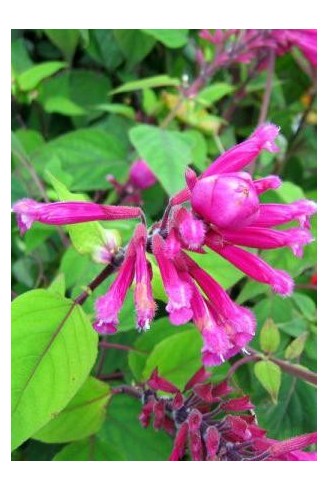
107,271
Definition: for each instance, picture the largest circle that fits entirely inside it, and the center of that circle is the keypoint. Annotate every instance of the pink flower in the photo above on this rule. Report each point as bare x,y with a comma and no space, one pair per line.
140,175
241,155
278,214
226,201
256,268
68,213
191,229
143,296
178,291
108,305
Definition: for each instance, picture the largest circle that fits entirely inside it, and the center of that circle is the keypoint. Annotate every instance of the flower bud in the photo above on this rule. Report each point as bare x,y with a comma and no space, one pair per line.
227,201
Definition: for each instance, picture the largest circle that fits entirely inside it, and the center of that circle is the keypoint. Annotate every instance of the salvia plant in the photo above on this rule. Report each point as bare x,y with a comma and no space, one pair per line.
211,358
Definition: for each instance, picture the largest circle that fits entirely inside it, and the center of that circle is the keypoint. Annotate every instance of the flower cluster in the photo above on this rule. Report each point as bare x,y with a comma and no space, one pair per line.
221,210
246,45
199,418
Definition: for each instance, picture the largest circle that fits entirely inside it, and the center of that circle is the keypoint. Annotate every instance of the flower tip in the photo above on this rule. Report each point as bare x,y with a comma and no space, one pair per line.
104,328
26,213
191,178
283,284
265,134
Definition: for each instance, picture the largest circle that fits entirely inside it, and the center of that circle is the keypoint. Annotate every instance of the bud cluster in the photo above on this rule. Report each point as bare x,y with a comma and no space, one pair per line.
209,426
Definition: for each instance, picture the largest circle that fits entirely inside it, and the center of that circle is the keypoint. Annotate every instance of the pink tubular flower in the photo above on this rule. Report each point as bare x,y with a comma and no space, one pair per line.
267,183
178,291
241,155
225,327
140,175
278,214
257,268
264,238
143,296
68,213
108,305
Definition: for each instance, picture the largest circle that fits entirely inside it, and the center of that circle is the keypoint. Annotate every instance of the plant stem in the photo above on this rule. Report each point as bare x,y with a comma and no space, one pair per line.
109,345
127,390
240,362
107,271
288,367
268,89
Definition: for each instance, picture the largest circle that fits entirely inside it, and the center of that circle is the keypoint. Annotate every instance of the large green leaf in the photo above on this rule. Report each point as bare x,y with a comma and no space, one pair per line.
30,78
104,48
65,39
172,38
91,449
53,350
166,152
124,433
135,45
177,357
87,154
82,417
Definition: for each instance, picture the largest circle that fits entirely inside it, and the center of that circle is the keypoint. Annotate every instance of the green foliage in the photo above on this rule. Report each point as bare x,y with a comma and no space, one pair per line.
86,103
52,340
269,375
166,152
82,417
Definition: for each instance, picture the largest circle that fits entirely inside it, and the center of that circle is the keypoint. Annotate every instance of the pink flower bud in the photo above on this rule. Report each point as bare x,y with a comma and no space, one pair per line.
226,201
141,176
191,229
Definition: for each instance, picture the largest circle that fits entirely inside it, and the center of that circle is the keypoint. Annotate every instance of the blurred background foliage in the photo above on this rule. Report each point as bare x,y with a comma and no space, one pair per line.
86,103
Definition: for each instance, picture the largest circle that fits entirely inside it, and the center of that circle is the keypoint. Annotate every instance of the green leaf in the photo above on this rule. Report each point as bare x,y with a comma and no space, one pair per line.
214,93
53,349
75,93
250,290
295,412
87,154
177,358
87,238
306,305
172,38
104,48
20,59
150,82
144,345
289,192
283,312
269,375
296,347
91,449
30,78
58,285
198,147
120,109
82,417
124,433
269,336
66,40
166,153
134,44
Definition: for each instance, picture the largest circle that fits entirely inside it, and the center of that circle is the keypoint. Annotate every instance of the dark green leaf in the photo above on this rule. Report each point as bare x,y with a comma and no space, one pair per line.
135,45
91,449
64,39
124,433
